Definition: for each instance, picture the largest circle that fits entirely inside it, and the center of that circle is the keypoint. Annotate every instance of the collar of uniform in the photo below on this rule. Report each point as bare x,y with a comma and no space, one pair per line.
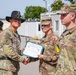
72,29
69,31
14,33
45,38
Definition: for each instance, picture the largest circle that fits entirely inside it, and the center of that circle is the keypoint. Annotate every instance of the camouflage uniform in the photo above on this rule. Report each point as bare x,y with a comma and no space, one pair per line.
67,59
67,46
10,54
48,64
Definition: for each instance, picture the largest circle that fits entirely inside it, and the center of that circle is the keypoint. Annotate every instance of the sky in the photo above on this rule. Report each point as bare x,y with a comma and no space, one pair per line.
7,6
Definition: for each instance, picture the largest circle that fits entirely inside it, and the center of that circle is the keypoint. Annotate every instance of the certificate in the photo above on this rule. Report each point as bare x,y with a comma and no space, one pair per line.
33,50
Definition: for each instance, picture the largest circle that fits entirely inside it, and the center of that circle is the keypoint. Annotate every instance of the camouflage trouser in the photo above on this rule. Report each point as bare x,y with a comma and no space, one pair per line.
5,72
59,72
43,71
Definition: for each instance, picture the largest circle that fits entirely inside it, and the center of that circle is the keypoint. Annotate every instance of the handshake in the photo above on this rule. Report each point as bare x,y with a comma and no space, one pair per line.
26,60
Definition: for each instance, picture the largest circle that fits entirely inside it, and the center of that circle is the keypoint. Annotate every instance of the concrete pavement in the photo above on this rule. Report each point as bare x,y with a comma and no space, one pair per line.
31,68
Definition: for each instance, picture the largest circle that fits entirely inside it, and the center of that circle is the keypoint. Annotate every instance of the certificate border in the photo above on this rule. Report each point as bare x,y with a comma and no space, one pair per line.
30,55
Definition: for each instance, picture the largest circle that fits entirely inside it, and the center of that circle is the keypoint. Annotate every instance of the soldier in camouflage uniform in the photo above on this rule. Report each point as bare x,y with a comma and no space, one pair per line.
10,53
67,42
49,57
1,26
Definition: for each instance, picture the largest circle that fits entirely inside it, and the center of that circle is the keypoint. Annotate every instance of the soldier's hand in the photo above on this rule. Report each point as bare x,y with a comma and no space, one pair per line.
26,60
41,56
22,50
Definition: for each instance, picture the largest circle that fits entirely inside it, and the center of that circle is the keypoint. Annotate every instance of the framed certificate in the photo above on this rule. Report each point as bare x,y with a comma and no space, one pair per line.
33,50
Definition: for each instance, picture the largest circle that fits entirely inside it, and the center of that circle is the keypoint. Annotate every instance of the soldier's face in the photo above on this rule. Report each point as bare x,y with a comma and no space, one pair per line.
66,19
15,22
46,28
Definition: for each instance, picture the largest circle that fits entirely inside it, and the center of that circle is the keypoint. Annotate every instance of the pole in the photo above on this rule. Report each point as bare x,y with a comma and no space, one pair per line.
45,3
75,1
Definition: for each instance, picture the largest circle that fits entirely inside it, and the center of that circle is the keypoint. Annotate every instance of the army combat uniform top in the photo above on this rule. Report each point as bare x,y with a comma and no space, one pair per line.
48,64
10,54
67,59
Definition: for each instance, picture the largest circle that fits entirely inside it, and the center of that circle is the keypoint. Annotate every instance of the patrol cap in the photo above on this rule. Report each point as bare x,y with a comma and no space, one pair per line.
1,23
46,21
67,8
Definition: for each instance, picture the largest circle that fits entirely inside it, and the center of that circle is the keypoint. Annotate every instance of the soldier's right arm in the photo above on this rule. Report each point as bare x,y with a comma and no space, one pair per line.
9,50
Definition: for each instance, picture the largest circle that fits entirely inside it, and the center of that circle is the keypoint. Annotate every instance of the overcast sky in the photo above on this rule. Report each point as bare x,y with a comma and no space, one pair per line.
7,6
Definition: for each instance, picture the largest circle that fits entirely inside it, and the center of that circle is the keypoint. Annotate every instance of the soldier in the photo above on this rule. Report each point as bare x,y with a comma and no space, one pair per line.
10,53
48,58
67,42
1,26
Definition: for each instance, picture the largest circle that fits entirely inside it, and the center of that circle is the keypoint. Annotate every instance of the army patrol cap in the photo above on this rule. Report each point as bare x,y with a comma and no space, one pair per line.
67,8
1,23
46,21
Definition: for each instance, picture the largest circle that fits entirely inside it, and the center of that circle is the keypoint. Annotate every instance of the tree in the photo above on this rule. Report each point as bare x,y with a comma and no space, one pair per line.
57,5
72,1
33,12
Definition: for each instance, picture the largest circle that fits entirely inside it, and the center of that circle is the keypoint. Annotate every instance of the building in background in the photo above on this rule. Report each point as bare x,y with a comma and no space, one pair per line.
33,28
6,24
28,28
58,28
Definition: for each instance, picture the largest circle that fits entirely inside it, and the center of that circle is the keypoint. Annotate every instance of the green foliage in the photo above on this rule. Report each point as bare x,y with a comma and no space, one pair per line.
33,12
72,1
57,5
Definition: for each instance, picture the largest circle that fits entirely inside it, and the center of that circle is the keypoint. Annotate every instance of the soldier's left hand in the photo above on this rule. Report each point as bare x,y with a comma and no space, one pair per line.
26,60
22,49
41,56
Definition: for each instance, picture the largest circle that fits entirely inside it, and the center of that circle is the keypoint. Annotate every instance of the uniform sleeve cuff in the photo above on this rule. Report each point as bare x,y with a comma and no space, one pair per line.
22,58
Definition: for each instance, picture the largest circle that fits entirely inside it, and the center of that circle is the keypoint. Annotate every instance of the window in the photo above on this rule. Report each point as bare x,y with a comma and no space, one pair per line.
39,27
57,25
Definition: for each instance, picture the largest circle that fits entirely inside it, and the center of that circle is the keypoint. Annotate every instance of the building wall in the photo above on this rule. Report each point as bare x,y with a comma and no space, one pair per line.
6,24
58,28
30,29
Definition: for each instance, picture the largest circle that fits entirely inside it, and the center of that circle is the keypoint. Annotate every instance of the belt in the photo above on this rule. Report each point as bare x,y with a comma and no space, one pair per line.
3,58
